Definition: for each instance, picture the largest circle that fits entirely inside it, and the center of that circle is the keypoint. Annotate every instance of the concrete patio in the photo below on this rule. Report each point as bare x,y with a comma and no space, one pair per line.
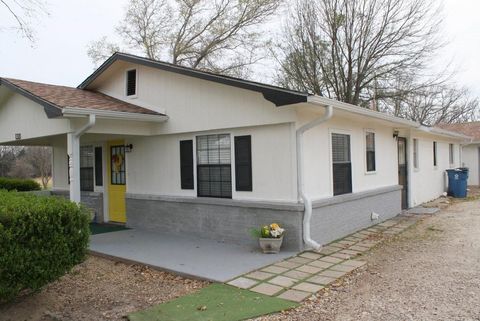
198,258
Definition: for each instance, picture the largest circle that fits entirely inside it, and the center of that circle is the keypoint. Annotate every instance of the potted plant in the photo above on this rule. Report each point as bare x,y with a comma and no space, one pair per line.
270,238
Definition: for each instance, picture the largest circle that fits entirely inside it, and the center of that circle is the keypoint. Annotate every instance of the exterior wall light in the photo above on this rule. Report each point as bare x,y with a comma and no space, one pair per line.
395,134
128,148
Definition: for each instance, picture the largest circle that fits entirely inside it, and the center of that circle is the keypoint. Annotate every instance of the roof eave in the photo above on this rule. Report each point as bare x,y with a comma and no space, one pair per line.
51,110
72,112
276,95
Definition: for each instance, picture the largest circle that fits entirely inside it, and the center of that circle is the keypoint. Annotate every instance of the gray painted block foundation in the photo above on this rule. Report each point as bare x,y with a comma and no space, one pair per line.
230,221
92,200
222,220
339,216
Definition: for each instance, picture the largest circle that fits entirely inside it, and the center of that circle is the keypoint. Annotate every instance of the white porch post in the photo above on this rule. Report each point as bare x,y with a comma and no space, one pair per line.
73,147
73,150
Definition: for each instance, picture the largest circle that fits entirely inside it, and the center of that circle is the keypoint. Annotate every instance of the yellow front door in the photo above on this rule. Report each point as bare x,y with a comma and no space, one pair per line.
117,178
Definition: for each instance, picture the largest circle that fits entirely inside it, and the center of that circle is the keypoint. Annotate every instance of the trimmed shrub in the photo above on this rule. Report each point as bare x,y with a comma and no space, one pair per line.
20,185
41,238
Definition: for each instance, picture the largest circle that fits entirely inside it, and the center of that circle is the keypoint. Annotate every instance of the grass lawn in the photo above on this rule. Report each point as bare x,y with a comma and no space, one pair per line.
217,302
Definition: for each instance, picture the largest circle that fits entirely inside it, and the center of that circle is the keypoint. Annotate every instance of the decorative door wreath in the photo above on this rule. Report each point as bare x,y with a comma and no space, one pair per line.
117,161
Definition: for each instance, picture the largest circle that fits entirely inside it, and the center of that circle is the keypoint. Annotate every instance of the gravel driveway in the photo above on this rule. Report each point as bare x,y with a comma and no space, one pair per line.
430,272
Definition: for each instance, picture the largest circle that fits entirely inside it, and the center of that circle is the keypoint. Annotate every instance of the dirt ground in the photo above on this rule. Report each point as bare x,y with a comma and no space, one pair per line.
430,272
97,290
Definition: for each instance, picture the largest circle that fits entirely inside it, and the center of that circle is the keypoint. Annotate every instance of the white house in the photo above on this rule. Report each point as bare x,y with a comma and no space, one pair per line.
470,149
171,149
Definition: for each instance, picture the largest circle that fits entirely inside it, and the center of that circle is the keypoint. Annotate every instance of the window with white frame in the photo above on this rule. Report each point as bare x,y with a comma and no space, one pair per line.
435,154
451,154
370,151
415,153
341,163
214,173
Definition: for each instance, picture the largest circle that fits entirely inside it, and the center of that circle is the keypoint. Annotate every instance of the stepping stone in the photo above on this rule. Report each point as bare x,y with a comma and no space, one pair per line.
309,269
332,274
259,275
343,268
342,256
308,287
288,265
354,263
267,289
300,260
330,259
294,295
242,283
359,248
359,236
322,280
321,264
274,269
351,239
328,250
338,245
283,281
349,252
311,255
347,243
299,275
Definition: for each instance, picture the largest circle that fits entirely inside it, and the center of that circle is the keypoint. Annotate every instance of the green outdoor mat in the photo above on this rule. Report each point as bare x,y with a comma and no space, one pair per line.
96,228
217,302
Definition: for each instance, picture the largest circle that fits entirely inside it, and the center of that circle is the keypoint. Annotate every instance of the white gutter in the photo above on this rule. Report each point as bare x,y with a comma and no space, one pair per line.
74,153
109,114
300,179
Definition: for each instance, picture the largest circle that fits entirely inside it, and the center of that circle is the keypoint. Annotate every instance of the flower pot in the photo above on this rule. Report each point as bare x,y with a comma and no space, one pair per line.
270,245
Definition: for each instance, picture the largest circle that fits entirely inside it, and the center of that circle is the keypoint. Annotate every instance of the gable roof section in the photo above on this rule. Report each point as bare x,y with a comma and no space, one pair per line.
56,99
277,95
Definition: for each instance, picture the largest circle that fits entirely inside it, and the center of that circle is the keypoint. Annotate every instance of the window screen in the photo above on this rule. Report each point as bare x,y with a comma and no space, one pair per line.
214,175
117,165
370,151
86,168
131,82
342,166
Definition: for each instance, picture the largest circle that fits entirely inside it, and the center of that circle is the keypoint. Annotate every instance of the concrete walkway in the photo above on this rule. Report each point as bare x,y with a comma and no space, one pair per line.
205,259
300,277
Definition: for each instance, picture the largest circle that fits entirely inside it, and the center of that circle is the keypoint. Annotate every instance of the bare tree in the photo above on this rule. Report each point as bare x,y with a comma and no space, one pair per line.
372,53
341,48
221,36
40,160
25,12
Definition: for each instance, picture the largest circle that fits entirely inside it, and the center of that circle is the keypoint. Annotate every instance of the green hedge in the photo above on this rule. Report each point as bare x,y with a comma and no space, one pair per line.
41,238
21,185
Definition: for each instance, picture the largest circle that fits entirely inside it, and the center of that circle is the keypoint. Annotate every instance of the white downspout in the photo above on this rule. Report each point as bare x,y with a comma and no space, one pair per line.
300,179
74,153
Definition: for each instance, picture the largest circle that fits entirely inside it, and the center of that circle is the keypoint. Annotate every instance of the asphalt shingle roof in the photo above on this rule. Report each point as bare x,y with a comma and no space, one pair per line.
63,97
471,129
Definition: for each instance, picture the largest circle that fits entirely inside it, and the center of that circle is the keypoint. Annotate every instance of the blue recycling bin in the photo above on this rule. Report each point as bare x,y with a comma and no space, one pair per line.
457,182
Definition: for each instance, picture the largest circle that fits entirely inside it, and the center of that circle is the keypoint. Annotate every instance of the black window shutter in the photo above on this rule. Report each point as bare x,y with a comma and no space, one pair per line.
186,164
98,166
243,163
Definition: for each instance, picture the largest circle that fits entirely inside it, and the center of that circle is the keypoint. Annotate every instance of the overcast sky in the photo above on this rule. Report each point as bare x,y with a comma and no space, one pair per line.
59,55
